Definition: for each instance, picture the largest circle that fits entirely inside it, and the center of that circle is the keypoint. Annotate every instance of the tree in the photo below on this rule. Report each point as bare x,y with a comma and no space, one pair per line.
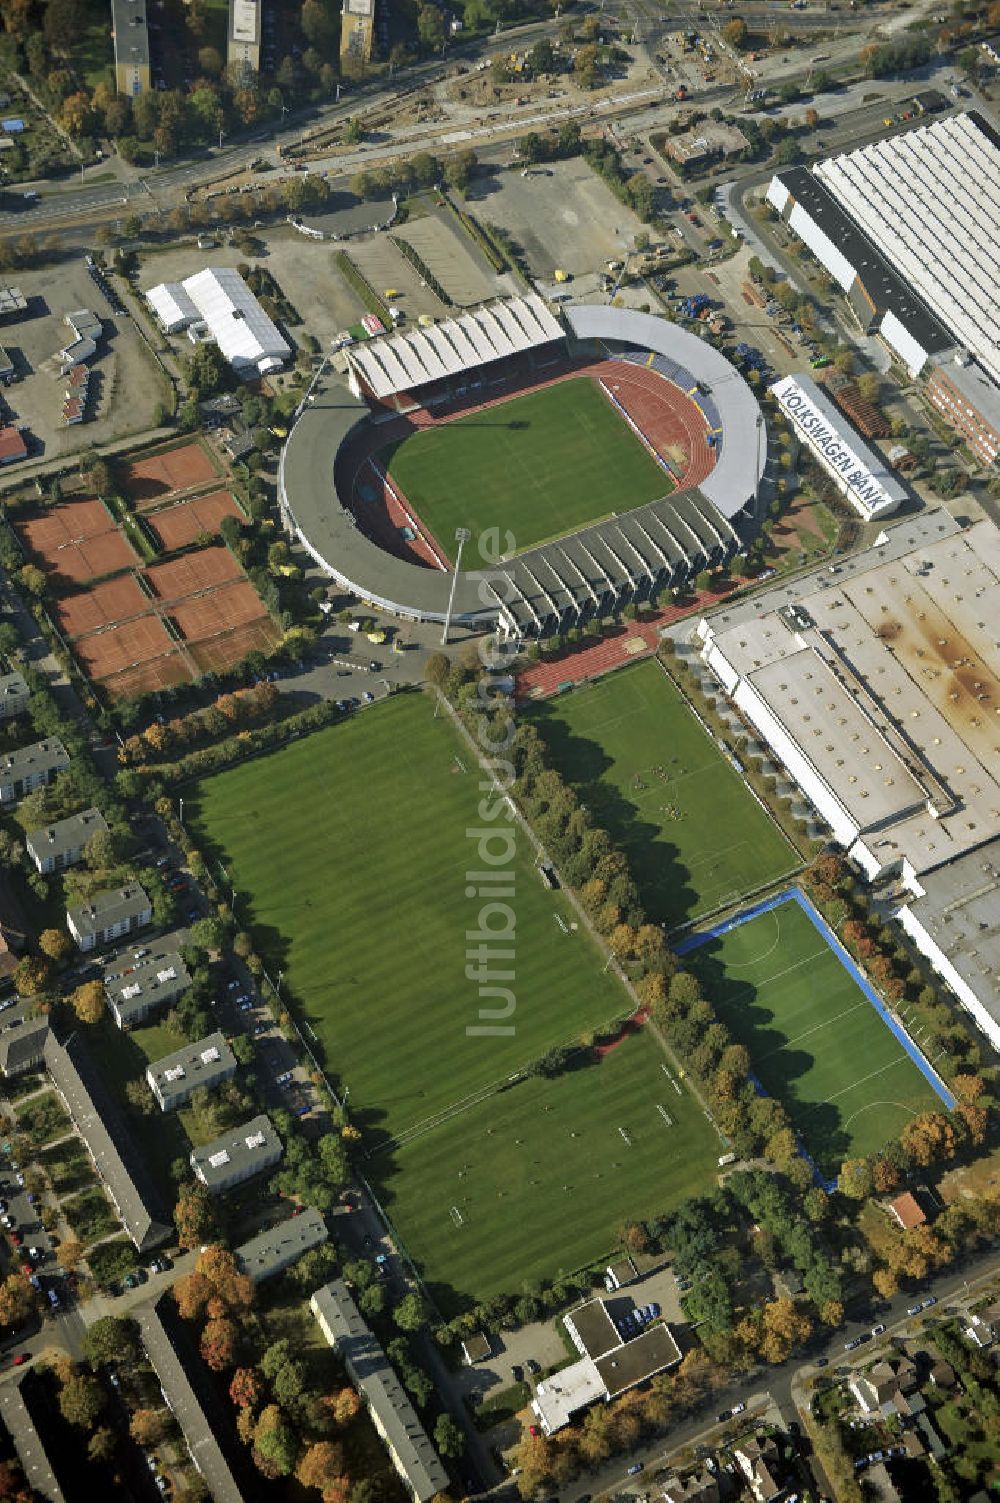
101,851
148,1427
194,1215
245,1388
110,1339
448,1436
274,1441
81,1400
69,1254
856,1179
320,1466
16,1300
192,1293
430,28
56,944
585,66
344,1405
219,1267
101,1445
32,974
869,386
218,1344
736,32
87,1001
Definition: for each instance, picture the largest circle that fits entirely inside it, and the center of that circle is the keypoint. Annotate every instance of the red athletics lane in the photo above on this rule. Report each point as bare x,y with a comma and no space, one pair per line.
628,643
670,421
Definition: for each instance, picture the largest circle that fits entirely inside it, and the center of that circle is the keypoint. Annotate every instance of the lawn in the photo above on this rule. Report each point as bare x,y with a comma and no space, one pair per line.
538,466
90,1215
348,851
482,1202
42,1119
815,1040
695,837
68,1166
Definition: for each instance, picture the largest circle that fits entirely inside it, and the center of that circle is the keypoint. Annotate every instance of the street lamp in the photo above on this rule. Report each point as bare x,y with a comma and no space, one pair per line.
462,536
180,810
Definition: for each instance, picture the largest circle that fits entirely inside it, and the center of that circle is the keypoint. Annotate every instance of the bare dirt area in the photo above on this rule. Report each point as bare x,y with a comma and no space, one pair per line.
463,271
126,386
304,270
561,215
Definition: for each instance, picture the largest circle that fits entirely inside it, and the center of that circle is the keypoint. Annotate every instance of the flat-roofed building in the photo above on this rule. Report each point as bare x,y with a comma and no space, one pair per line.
357,30
111,1146
243,38
708,141
54,847
858,471
130,34
278,1247
31,767
369,1369
149,985
237,1155
13,303
609,1365
969,402
109,915
14,695
174,1077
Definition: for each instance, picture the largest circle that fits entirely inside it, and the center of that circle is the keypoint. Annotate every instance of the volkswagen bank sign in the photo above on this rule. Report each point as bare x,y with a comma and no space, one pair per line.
815,421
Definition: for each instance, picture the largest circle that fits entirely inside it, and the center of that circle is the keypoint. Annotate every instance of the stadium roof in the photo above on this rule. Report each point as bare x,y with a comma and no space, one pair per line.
235,319
494,332
930,199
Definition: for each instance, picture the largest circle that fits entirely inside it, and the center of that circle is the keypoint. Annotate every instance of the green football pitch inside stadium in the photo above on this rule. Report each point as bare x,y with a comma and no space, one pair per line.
537,1180
815,1041
537,466
695,836
348,851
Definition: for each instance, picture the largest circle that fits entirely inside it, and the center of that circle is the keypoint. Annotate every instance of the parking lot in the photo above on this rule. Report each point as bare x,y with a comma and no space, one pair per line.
448,253
561,215
125,384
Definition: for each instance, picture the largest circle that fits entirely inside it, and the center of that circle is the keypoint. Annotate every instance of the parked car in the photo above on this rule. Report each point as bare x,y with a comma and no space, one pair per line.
929,1301
635,1468
878,1330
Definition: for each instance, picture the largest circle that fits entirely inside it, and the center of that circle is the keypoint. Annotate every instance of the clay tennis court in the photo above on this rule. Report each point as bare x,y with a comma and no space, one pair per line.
216,653
77,540
203,570
219,611
177,526
170,470
143,678
114,600
122,646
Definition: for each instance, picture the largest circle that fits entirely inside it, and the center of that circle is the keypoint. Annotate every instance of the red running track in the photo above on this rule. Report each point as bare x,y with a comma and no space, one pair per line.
671,423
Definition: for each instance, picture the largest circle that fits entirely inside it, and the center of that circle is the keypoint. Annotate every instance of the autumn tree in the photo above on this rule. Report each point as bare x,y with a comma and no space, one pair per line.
219,1267
785,1326
87,1001
344,1405
735,32
928,1138
274,1443
56,944
856,1180
148,1427
192,1293
245,1388
81,1400
194,1216
320,1465
32,974
16,1300
218,1344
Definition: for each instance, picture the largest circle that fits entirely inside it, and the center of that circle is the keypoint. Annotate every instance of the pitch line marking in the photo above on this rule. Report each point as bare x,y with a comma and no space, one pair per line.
910,1111
864,1079
817,1028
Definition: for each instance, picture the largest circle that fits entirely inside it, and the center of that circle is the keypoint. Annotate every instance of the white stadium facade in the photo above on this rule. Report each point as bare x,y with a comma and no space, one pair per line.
554,585
876,685
909,229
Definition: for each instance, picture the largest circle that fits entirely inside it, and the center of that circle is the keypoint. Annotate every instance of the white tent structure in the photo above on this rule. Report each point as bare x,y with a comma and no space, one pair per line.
221,299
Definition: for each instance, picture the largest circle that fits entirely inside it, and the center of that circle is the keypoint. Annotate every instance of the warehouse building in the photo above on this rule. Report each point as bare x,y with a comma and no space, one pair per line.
875,684
859,472
909,228
220,300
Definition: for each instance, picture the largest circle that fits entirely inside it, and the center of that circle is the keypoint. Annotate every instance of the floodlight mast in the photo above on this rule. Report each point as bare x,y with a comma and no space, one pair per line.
462,536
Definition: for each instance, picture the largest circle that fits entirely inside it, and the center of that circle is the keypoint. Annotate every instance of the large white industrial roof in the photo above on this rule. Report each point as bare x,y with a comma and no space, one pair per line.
236,321
930,200
405,361
172,305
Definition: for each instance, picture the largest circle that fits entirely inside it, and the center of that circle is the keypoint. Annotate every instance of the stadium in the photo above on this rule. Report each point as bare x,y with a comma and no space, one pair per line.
609,449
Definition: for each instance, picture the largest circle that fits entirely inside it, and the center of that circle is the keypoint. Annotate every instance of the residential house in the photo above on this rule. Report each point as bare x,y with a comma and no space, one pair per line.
237,1155
701,1487
108,915
150,984
907,1211
158,1331
54,847
12,445
174,1078
984,1328
23,1031
890,1387
277,1248
759,1462
372,1374
30,767
14,695
118,1162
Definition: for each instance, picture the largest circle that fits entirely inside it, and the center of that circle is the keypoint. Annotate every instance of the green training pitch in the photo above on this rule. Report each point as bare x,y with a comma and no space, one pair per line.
695,836
348,850
538,466
815,1041
537,1180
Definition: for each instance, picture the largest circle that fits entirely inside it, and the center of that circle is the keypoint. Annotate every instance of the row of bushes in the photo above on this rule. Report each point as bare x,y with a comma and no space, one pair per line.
421,268
356,279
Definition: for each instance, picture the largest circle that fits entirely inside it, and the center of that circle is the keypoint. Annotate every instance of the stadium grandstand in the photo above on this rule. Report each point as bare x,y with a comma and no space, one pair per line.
408,381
